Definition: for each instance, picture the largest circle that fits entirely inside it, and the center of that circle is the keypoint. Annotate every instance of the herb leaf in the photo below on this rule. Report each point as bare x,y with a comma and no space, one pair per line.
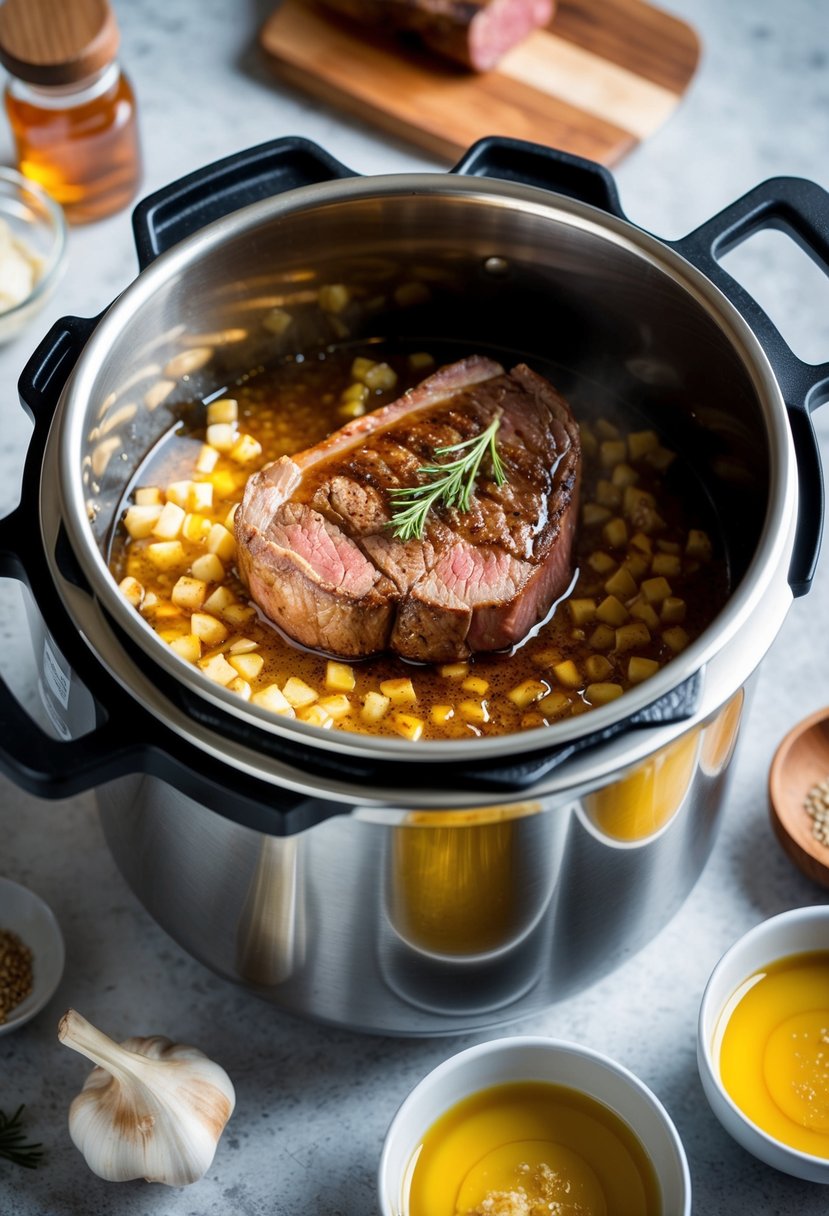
12,1142
451,483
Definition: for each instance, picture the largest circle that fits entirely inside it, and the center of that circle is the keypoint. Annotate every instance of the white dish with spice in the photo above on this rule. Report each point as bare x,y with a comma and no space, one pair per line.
29,919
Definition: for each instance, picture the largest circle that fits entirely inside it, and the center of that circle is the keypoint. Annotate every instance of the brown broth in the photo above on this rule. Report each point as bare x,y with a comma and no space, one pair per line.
297,404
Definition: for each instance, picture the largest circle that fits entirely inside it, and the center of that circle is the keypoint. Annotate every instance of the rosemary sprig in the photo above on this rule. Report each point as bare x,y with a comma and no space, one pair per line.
451,483
12,1142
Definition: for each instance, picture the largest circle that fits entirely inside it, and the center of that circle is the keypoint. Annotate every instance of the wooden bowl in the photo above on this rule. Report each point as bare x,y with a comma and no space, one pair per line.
801,761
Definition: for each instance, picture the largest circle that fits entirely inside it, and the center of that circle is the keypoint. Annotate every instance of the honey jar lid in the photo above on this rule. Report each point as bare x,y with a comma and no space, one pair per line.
57,42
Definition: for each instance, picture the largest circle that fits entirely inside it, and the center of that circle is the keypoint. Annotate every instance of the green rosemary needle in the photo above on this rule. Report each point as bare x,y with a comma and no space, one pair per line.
450,484
12,1142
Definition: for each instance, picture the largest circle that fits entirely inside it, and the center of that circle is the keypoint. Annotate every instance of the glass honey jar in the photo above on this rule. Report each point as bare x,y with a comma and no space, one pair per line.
71,108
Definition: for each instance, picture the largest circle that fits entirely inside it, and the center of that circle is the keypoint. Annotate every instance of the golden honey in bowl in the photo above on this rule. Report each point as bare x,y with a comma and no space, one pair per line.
529,1148
774,1050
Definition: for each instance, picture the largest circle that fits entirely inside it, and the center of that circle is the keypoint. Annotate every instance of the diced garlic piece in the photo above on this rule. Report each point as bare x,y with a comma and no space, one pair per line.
635,633
298,693
408,726
598,667
602,694
249,666
246,449
667,564
374,707
611,452
612,611
380,377
621,584
339,677
200,496
361,366
148,496
132,590
607,494
592,513
217,668
221,436
241,688
277,320
352,409
140,520
655,590
189,593
188,647
224,409
640,669
168,524
238,614
615,533
525,693
166,554
221,542
271,698
195,528
420,360
208,456
220,600
601,562
333,297
441,714
337,706
211,631
673,610
243,646
553,704
602,638
179,493
398,691
315,715
454,671
475,684
624,475
225,483
642,442
474,711
676,638
699,545
582,610
567,674
208,567
641,610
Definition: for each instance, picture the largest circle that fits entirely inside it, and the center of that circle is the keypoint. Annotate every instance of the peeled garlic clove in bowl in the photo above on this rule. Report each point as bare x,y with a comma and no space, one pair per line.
151,1109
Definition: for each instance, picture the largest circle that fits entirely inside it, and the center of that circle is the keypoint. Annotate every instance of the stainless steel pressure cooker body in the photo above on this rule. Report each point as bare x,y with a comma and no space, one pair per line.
394,887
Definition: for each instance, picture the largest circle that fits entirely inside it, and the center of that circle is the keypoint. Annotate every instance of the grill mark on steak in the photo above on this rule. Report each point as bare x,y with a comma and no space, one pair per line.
320,559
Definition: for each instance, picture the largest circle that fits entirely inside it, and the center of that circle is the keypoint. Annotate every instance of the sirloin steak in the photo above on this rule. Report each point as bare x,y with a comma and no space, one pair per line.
318,554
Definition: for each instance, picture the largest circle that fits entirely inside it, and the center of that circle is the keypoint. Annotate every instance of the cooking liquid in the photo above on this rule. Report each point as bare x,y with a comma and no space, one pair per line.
774,1051
295,405
80,144
509,1148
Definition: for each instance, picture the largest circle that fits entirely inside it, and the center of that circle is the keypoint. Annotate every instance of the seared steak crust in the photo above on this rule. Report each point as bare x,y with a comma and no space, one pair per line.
319,557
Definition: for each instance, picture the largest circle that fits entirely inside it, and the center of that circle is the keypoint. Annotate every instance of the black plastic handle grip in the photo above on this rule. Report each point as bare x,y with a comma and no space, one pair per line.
516,160
48,368
800,209
177,211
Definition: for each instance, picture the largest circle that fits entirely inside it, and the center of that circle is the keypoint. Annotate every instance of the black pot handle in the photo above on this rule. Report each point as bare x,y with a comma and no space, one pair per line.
800,209
47,370
177,211
516,160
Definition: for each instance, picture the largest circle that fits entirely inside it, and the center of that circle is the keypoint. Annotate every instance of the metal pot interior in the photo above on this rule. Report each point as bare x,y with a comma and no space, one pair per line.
611,315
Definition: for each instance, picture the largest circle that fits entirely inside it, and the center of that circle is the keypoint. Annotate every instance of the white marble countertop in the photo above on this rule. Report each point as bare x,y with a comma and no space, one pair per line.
314,1103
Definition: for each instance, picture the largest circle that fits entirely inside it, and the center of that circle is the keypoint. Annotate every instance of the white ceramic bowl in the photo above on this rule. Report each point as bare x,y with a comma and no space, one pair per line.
35,219
503,1061
797,932
24,913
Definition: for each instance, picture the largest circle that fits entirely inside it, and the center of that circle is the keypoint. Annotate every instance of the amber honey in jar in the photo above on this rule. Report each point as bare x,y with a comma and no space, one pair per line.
71,108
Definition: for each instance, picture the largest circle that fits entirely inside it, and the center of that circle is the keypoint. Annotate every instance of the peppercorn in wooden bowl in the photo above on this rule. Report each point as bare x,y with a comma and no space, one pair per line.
799,795
31,954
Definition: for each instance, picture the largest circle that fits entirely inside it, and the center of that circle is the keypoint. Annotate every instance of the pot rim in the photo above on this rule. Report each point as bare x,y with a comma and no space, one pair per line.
738,611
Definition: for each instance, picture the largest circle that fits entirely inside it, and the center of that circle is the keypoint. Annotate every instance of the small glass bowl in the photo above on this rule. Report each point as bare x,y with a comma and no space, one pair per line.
32,920
38,222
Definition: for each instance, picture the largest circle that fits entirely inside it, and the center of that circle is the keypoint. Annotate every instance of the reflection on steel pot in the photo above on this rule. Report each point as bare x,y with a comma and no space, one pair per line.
372,882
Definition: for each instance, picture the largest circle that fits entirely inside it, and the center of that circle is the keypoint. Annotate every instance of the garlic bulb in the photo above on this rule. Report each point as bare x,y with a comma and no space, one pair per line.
151,1109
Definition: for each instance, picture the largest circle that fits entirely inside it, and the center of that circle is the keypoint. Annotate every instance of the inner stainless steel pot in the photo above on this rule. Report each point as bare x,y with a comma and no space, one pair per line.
615,313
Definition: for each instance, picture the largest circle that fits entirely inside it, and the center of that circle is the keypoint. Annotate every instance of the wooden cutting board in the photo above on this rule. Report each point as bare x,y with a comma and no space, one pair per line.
603,76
